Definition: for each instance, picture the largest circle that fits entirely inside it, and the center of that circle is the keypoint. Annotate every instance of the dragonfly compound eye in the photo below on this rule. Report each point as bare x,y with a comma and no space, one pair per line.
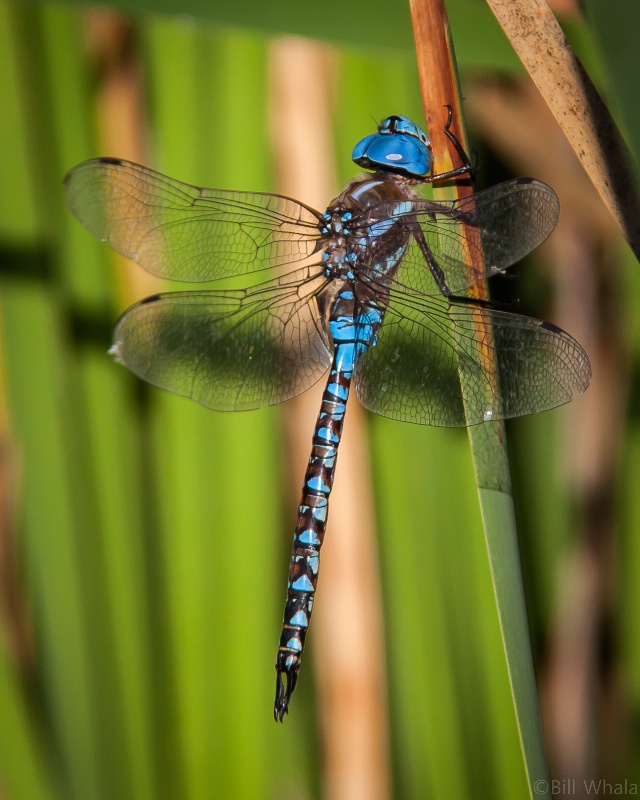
404,153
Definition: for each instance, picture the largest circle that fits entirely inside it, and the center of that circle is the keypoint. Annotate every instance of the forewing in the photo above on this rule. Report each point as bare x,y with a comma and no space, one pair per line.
507,222
182,232
429,351
229,350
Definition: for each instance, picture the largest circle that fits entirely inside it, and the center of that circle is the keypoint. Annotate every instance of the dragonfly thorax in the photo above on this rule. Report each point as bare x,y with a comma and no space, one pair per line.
365,228
339,256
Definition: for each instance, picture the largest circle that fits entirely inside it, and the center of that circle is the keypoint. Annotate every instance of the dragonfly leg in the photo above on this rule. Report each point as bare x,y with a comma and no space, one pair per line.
467,167
435,268
466,161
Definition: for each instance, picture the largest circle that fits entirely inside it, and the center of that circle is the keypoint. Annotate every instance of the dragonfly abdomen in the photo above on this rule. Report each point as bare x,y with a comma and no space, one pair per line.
309,533
350,334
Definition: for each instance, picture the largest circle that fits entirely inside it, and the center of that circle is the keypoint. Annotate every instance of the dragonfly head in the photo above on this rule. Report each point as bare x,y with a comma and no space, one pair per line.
399,146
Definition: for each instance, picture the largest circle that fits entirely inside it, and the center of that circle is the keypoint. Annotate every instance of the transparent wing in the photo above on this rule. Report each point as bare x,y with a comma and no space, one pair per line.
229,350
511,220
178,231
429,350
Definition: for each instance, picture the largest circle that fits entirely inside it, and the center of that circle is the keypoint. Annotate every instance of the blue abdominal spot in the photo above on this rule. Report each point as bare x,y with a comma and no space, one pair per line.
303,584
309,537
300,619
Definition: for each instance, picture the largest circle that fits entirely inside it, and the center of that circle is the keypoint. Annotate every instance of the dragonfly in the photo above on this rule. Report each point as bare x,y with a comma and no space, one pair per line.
376,290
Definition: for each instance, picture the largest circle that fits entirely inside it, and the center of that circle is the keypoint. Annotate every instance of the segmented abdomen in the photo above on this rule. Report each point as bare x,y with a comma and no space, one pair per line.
351,334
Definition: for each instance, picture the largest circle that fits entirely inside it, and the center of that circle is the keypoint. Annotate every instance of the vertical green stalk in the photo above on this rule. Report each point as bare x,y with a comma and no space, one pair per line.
440,86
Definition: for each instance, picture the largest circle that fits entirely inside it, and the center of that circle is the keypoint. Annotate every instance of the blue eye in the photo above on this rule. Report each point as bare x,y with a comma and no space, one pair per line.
400,146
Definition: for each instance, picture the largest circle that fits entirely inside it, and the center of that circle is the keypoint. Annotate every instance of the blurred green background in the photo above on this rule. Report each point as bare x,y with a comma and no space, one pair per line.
144,541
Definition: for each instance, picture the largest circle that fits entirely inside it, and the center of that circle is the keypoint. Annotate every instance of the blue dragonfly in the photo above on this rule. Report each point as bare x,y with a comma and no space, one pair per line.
376,290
